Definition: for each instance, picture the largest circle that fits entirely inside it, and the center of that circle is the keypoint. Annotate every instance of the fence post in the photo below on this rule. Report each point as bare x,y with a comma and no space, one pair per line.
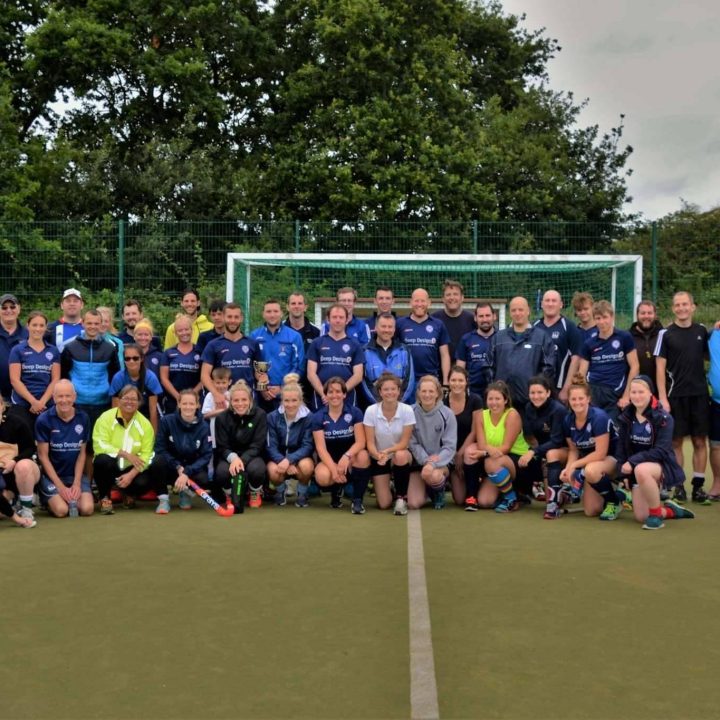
475,252
653,240
121,266
296,237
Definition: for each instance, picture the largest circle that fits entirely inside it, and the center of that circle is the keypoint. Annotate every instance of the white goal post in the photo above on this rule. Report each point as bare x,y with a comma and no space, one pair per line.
242,268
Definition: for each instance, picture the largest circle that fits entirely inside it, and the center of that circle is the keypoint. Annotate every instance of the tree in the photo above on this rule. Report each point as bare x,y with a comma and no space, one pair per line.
425,110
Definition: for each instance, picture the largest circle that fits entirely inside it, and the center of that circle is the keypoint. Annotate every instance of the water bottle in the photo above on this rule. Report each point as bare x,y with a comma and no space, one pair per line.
73,509
237,491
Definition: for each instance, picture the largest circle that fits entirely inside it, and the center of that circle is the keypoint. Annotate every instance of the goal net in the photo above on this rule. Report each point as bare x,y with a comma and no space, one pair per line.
254,277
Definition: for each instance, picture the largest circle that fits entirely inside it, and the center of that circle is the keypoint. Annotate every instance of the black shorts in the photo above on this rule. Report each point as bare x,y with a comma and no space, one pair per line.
691,415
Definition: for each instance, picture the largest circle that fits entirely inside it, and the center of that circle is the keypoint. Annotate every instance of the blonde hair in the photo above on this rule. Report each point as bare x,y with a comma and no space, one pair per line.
145,324
105,310
242,386
291,383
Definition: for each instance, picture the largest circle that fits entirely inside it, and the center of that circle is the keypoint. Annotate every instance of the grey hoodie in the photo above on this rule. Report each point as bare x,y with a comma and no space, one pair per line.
435,433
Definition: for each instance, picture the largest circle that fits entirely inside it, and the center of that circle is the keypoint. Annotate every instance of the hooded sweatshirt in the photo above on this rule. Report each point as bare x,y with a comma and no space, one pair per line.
435,433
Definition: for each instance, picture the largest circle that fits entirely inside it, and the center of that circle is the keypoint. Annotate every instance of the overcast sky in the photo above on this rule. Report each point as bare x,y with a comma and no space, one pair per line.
658,63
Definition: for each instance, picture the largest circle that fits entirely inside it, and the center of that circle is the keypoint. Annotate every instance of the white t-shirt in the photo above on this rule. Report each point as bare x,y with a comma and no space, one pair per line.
209,406
388,432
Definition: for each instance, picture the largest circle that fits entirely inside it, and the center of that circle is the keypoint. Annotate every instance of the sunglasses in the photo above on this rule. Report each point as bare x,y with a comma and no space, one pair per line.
132,358
11,306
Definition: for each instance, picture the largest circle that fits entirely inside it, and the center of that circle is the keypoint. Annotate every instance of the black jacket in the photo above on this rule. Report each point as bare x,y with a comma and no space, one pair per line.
242,435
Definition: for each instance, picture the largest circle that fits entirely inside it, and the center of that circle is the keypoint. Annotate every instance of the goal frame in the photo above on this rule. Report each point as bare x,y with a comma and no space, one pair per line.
612,261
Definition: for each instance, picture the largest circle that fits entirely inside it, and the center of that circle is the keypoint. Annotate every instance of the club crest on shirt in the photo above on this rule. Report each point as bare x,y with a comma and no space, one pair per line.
48,356
79,429
428,328
616,344
345,348
246,349
347,417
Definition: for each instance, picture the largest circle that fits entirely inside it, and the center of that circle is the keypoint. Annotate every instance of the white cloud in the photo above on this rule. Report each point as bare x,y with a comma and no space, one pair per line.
656,63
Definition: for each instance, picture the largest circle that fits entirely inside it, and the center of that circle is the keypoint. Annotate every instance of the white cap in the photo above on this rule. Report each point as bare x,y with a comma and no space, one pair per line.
72,291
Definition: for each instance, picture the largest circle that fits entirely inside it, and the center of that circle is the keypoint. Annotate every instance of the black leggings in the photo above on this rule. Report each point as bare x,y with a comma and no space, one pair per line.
106,469
254,474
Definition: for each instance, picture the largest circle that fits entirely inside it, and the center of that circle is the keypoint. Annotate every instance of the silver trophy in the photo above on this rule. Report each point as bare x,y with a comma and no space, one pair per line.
261,366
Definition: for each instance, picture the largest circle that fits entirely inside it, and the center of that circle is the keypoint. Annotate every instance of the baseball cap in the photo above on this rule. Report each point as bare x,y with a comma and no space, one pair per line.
7,297
72,291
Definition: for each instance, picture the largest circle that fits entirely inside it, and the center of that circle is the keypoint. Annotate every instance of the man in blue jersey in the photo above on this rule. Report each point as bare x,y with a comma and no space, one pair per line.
356,328
233,351
62,434
335,355
520,352
385,353
426,337
11,333
384,299
582,304
566,338
282,347
70,325
453,316
473,350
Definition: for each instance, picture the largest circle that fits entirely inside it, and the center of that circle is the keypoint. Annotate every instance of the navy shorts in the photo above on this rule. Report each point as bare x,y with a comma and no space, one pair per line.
48,489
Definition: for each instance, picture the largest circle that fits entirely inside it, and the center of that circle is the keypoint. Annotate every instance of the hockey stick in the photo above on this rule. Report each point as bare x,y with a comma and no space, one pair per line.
219,509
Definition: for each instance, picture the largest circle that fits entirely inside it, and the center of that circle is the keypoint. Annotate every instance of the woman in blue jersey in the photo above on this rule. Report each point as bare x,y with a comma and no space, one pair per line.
543,428
467,407
290,443
34,370
335,355
135,373
388,428
609,361
500,444
645,456
591,464
433,445
339,438
180,366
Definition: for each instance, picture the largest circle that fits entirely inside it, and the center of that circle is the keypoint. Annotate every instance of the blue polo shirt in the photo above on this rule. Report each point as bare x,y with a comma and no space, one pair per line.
424,339
567,339
236,355
65,439
608,359
35,369
183,368
339,434
598,423
474,350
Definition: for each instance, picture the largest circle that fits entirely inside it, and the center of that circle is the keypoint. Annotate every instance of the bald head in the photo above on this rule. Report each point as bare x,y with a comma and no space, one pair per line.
62,388
551,305
419,303
519,313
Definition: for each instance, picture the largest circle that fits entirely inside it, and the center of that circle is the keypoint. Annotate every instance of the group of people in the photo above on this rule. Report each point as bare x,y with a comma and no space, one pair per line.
414,405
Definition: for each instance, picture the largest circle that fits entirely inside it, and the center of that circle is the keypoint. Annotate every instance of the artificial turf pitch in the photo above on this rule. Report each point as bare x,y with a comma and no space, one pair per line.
288,613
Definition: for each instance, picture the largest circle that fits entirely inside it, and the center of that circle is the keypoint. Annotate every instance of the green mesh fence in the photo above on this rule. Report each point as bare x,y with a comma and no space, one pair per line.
154,261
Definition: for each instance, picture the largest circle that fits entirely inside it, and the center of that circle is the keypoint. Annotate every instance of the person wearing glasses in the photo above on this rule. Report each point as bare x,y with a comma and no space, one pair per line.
124,442
11,334
146,381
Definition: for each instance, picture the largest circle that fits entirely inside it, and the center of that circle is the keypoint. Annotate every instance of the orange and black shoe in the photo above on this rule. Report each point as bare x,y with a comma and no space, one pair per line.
471,504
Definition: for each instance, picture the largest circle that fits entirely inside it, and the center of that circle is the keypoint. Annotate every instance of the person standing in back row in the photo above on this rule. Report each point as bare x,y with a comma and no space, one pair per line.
457,321
427,339
682,387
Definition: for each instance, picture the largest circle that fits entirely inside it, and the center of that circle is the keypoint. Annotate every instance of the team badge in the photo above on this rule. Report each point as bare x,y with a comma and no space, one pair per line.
347,417
79,429
616,344
428,328
246,349
154,361
647,427
196,357
48,356
346,348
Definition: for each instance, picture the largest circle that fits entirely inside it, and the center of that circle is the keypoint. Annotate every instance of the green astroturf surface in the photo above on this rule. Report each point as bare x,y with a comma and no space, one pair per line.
303,613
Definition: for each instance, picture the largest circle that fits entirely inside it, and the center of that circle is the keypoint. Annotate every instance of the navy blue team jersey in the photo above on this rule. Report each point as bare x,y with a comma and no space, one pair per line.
235,355
183,368
64,439
335,358
35,369
598,423
424,339
567,340
339,434
608,359
473,349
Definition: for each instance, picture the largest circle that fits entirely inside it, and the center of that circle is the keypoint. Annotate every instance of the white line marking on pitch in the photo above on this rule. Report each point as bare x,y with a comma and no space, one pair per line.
423,685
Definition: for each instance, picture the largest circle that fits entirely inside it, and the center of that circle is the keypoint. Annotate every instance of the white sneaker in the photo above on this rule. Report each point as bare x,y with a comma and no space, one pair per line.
400,507
26,512
291,485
